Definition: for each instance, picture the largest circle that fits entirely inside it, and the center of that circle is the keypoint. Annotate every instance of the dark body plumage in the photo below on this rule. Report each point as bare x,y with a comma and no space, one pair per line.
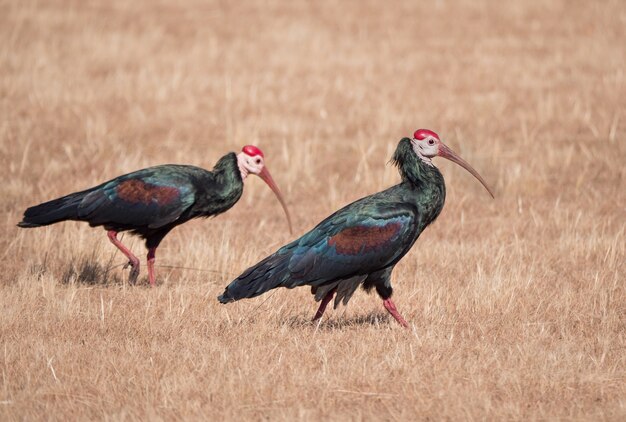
148,202
359,244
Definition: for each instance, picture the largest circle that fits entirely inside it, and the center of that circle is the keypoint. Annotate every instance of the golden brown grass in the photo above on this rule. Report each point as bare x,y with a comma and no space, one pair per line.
517,305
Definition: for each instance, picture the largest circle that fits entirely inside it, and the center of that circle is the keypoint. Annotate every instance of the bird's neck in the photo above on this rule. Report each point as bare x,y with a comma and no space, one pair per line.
416,170
422,182
220,188
227,173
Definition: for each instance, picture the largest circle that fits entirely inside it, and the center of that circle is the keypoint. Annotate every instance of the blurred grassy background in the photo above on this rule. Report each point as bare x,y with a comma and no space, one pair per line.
517,304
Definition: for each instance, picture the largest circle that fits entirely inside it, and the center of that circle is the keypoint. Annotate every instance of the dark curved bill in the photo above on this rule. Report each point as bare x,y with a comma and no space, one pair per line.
267,178
446,152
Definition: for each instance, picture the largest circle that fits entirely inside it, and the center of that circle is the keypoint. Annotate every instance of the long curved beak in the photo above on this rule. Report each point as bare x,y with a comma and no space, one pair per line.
267,178
446,152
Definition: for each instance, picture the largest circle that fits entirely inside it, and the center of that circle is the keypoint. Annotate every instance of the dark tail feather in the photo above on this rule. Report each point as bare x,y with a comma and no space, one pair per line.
268,274
60,209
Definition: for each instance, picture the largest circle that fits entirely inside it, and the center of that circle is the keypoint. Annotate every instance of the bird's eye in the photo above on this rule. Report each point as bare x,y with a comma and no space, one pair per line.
258,161
431,142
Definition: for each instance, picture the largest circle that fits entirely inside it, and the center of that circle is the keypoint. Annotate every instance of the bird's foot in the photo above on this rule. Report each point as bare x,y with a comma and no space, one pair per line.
391,308
133,262
134,272
322,308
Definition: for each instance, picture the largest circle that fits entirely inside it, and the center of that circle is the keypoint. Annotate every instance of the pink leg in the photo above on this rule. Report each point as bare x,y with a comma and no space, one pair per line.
322,308
132,259
391,308
151,258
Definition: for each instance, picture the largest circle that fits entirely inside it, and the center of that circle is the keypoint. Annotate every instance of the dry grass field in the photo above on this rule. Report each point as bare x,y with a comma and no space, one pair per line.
517,305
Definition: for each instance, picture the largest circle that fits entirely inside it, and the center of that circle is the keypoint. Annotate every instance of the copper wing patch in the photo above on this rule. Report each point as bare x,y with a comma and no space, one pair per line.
137,191
362,239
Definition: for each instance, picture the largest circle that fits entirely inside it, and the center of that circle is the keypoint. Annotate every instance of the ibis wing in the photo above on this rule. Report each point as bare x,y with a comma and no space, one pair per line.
151,198
360,240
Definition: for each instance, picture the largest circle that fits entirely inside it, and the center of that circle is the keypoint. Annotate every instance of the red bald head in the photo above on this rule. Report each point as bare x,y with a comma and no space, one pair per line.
422,134
252,151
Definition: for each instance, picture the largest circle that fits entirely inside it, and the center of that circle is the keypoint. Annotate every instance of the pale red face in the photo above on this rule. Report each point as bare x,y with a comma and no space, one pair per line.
426,143
254,159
